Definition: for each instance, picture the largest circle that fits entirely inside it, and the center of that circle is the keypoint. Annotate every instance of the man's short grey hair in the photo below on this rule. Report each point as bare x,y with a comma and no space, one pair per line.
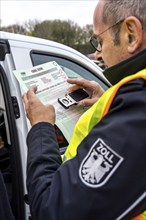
116,10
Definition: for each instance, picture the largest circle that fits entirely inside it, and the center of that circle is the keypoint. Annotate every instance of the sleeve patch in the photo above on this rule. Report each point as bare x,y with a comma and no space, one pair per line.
99,164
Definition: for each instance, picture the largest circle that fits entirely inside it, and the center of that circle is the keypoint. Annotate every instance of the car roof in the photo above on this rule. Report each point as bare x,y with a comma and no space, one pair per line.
31,39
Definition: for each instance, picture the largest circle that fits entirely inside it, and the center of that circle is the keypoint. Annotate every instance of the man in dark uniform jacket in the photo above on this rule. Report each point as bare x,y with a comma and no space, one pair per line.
106,178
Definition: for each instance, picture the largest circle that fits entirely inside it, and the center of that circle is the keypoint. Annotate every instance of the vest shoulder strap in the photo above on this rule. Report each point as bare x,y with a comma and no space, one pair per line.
94,114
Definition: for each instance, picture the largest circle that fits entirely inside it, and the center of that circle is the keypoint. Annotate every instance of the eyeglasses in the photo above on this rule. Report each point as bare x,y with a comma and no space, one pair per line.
97,43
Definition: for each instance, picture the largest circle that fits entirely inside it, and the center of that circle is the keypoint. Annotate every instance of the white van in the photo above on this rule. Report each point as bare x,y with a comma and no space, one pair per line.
23,52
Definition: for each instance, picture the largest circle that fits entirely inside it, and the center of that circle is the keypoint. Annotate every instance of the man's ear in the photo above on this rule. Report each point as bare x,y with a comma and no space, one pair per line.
134,34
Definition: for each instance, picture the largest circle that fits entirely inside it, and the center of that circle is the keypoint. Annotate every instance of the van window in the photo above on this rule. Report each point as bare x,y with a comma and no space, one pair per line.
72,69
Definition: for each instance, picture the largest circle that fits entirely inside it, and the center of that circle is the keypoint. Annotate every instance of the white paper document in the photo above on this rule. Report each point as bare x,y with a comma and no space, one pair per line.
50,80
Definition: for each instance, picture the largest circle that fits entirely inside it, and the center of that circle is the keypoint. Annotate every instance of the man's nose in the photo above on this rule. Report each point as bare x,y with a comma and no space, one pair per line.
98,56
100,61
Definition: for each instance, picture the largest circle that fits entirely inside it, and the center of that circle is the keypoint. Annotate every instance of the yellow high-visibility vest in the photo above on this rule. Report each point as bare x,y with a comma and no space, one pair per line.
142,216
93,116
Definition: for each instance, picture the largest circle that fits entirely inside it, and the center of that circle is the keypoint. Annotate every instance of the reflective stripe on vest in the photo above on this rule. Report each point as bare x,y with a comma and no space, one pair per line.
94,114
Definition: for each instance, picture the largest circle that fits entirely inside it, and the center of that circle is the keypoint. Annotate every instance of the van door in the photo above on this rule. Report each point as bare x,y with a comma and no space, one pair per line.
10,163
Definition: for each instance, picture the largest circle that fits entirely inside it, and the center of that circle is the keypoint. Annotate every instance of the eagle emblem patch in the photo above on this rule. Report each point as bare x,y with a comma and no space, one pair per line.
99,164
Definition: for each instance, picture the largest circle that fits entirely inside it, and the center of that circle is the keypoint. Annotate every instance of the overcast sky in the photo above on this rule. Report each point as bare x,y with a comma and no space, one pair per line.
19,11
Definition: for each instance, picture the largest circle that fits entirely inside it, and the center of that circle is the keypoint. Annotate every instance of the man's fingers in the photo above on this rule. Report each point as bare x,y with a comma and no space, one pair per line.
30,98
72,88
33,89
83,83
31,92
86,102
25,100
79,82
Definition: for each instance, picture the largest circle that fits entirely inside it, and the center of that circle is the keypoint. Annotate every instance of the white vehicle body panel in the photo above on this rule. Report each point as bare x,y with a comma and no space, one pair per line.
19,58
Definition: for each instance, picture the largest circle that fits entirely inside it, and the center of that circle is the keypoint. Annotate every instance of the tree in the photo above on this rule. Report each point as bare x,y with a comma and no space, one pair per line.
30,24
65,32
15,28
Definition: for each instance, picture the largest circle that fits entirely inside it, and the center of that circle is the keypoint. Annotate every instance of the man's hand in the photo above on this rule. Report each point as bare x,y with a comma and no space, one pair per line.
92,87
37,112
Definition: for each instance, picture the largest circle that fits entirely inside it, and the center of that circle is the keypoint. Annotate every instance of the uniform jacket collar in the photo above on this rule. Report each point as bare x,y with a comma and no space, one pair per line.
127,67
